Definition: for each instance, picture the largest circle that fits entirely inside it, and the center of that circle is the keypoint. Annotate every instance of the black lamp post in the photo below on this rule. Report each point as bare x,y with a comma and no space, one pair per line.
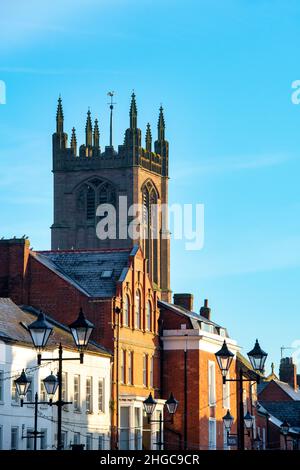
149,408
22,385
40,331
285,428
257,358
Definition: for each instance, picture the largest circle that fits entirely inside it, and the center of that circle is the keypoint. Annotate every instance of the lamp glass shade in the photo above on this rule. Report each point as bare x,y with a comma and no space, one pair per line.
248,420
40,330
228,420
171,404
224,358
285,427
257,357
149,405
22,385
51,384
81,330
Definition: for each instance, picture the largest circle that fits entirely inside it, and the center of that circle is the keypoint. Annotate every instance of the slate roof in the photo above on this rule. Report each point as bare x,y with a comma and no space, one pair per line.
13,322
294,394
289,410
84,269
194,317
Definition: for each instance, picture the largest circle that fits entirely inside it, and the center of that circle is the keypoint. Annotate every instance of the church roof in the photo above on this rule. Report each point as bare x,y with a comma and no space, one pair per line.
93,272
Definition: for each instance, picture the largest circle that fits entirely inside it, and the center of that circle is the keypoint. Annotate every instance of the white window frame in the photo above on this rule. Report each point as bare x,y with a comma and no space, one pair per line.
212,439
2,386
101,406
17,437
89,397
76,402
211,383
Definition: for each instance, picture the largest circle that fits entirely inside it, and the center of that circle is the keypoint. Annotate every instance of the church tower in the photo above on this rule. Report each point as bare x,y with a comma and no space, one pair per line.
85,179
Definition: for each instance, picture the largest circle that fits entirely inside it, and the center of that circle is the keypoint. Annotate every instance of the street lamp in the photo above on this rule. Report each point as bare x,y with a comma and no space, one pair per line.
285,428
51,384
149,408
228,421
224,359
248,420
22,385
40,331
257,357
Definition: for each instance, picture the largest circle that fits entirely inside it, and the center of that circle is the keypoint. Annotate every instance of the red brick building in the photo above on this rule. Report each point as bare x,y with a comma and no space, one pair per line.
190,371
61,282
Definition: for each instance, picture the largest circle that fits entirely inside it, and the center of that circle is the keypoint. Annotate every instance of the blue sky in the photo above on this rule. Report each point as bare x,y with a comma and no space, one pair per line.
223,71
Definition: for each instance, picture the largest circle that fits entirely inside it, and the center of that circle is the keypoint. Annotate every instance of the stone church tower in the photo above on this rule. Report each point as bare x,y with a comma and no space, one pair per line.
83,180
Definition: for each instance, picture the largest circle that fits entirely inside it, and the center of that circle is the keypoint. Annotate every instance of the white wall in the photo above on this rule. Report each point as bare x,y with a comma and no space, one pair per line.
13,358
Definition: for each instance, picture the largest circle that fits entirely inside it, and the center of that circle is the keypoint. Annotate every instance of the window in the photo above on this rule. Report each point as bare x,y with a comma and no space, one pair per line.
14,438
29,439
101,403
29,396
207,327
137,429
126,311
123,361
64,439
89,441
158,438
1,437
89,395
101,442
1,385
148,316
225,438
212,434
138,316
43,393
76,438
130,368
145,370
106,274
44,439
124,428
211,384
226,394
76,392
151,371
90,204
64,388
14,393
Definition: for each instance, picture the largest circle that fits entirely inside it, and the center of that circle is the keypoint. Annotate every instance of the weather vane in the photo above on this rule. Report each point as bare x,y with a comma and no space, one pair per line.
111,106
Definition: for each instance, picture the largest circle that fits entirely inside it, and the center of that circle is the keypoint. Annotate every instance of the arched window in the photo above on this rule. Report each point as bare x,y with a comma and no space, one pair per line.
126,311
130,368
148,316
138,314
150,225
90,195
123,361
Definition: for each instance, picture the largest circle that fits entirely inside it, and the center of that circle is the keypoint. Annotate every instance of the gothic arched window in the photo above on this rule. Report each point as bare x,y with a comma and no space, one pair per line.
148,316
150,229
126,311
90,195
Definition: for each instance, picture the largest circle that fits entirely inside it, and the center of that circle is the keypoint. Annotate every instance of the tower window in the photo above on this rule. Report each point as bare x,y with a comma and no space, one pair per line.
90,204
138,315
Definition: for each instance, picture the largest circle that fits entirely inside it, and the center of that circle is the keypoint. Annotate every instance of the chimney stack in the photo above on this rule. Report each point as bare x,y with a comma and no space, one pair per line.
205,310
184,300
288,372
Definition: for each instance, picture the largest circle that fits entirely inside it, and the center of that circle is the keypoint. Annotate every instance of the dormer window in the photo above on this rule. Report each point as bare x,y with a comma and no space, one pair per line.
207,327
106,274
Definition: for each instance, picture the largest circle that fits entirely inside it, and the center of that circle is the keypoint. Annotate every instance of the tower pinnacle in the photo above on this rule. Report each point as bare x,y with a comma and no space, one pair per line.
59,117
161,125
133,112
88,130
148,138
96,134
74,141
